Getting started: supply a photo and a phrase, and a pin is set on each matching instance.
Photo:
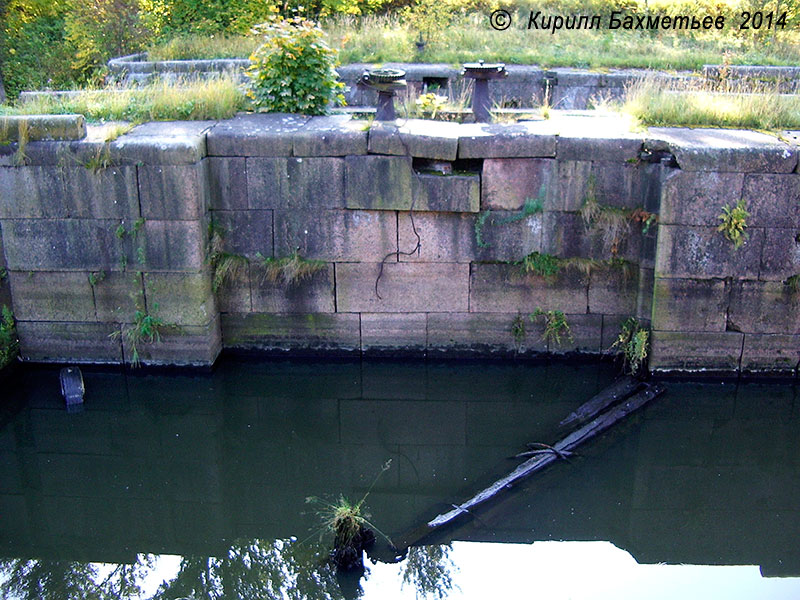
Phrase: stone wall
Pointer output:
(88, 249)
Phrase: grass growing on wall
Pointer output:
(219, 98)
(703, 104)
(9, 343)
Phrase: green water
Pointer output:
(198, 486)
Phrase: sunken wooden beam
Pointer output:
(617, 391)
(539, 462)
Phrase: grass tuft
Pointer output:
(290, 270)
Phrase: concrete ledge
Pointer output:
(520, 140)
(335, 135)
(764, 307)
(43, 127)
(764, 354)
(68, 342)
(255, 135)
(162, 143)
(414, 137)
(394, 334)
(725, 150)
(185, 345)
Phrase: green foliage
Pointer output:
(611, 223)
(793, 283)
(290, 269)
(429, 104)
(543, 265)
(555, 325)
(293, 70)
(168, 18)
(102, 29)
(518, 330)
(95, 278)
(146, 329)
(9, 343)
(429, 569)
(633, 345)
(734, 223)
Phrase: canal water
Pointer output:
(218, 485)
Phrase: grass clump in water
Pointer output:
(555, 326)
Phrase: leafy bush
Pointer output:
(175, 17)
(293, 70)
(103, 29)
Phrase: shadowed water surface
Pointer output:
(196, 486)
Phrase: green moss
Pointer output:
(9, 342)
(543, 265)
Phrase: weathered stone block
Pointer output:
(177, 192)
(690, 304)
(764, 307)
(503, 288)
(227, 181)
(174, 245)
(616, 184)
(162, 143)
(613, 290)
(394, 334)
(482, 334)
(704, 252)
(644, 301)
(317, 333)
(771, 353)
(43, 127)
(65, 244)
(378, 182)
(773, 200)
(180, 298)
(246, 232)
(31, 192)
(333, 135)
(311, 295)
(104, 194)
(695, 350)
(234, 295)
(579, 143)
(573, 184)
(403, 287)
(187, 345)
(40, 296)
(68, 342)
(117, 295)
(697, 198)
(446, 193)
(267, 182)
(508, 183)
(314, 183)
(449, 237)
(415, 137)
(780, 257)
(726, 150)
(255, 135)
(585, 335)
(335, 235)
(523, 140)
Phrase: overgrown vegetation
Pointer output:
(699, 103)
(793, 283)
(293, 70)
(734, 223)
(226, 266)
(9, 342)
(146, 329)
(349, 524)
(633, 345)
(556, 327)
(219, 98)
(290, 269)
(611, 223)
(543, 265)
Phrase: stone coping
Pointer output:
(569, 135)
(43, 127)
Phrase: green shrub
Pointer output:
(293, 70)
(9, 343)
(555, 325)
(168, 18)
(734, 223)
(633, 344)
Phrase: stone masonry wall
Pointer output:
(89, 250)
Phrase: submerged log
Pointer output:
(596, 426)
(617, 391)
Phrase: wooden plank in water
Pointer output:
(617, 391)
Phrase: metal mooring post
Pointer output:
(387, 82)
(482, 73)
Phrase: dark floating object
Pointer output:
(72, 386)
(603, 411)
(482, 73)
(386, 82)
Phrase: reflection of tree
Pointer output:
(32, 579)
(256, 569)
(429, 569)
